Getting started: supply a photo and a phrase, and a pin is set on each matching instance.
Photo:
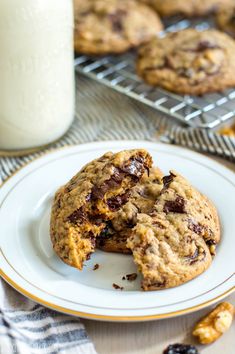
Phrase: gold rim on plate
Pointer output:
(111, 318)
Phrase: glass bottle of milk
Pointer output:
(36, 72)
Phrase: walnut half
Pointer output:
(212, 326)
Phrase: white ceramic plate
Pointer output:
(29, 264)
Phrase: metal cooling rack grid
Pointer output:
(118, 72)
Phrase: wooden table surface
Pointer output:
(153, 337)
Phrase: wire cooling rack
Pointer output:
(118, 72)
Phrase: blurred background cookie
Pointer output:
(189, 62)
(113, 26)
(187, 8)
(225, 19)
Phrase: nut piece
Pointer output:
(211, 327)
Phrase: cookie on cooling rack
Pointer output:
(113, 26)
(176, 241)
(187, 8)
(189, 62)
(91, 198)
(225, 19)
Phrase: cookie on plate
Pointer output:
(187, 8)
(82, 207)
(142, 199)
(225, 19)
(189, 62)
(177, 241)
(113, 26)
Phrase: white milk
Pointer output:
(36, 71)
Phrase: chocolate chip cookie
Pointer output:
(113, 26)
(189, 62)
(90, 199)
(177, 240)
(142, 199)
(226, 19)
(187, 8)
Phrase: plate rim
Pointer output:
(113, 318)
(109, 317)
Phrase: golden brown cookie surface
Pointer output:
(82, 207)
(176, 242)
(189, 62)
(113, 26)
(187, 8)
(226, 19)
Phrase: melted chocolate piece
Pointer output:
(201, 47)
(168, 179)
(195, 227)
(211, 243)
(100, 242)
(193, 258)
(114, 181)
(134, 167)
(130, 224)
(175, 206)
(117, 20)
(116, 202)
(77, 215)
(204, 45)
(107, 232)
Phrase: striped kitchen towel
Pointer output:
(28, 328)
(101, 114)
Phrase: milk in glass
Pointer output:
(36, 72)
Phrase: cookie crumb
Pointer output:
(117, 287)
(130, 277)
(96, 266)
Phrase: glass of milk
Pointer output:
(36, 72)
